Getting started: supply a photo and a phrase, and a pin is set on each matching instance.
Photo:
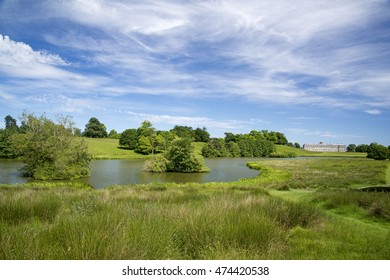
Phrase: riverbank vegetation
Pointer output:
(294, 209)
(50, 150)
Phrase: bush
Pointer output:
(50, 151)
(157, 165)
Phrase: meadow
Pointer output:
(312, 208)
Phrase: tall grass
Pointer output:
(238, 220)
(328, 173)
(374, 204)
(140, 223)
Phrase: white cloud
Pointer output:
(373, 112)
(310, 53)
(195, 121)
(20, 60)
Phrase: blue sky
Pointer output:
(314, 70)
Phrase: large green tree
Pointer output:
(95, 129)
(129, 138)
(378, 152)
(50, 150)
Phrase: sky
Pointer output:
(315, 70)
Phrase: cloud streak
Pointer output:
(316, 54)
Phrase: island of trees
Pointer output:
(57, 150)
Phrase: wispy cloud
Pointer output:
(317, 54)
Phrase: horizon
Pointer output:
(316, 72)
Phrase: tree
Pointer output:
(215, 148)
(6, 144)
(146, 129)
(351, 148)
(297, 145)
(183, 131)
(181, 157)
(144, 146)
(113, 134)
(77, 132)
(363, 148)
(233, 149)
(95, 129)
(50, 150)
(11, 128)
(10, 123)
(201, 135)
(129, 138)
(377, 152)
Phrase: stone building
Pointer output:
(323, 147)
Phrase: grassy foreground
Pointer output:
(295, 209)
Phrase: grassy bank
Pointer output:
(104, 148)
(281, 149)
(317, 213)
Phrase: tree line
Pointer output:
(55, 150)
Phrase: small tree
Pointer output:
(51, 151)
(95, 129)
(10, 123)
(181, 157)
(351, 148)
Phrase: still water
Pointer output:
(110, 172)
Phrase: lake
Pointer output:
(110, 172)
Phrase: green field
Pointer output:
(304, 153)
(104, 148)
(295, 209)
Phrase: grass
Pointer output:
(281, 149)
(328, 172)
(295, 209)
(104, 148)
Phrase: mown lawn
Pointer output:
(104, 148)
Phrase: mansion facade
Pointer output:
(323, 147)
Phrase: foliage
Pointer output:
(50, 151)
(6, 150)
(11, 128)
(378, 152)
(252, 146)
(215, 148)
(114, 134)
(246, 145)
(146, 129)
(363, 148)
(10, 123)
(351, 148)
(182, 158)
(95, 129)
(129, 138)
(182, 131)
(201, 135)
(144, 146)
(158, 164)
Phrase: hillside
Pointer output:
(303, 153)
(104, 148)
